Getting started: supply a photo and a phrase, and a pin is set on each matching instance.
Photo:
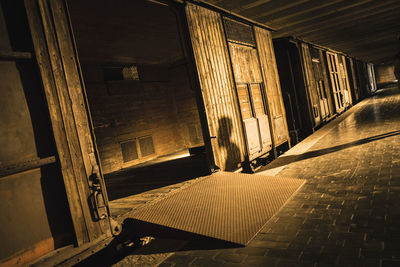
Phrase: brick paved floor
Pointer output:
(347, 214)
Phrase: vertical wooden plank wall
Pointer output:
(328, 86)
(336, 81)
(345, 80)
(310, 83)
(68, 112)
(371, 76)
(353, 69)
(217, 85)
(274, 96)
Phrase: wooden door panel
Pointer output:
(335, 80)
(253, 138)
(265, 132)
(217, 84)
(244, 100)
(258, 101)
(246, 67)
(272, 88)
(55, 53)
(280, 128)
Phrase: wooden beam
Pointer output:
(14, 55)
(56, 116)
(334, 18)
(348, 19)
(20, 166)
(324, 11)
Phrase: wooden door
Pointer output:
(250, 90)
(313, 93)
(260, 112)
(217, 85)
(345, 81)
(320, 84)
(60, 71)
(249, 121)
(270, 75)
(333, 67)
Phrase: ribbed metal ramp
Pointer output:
(227, 206)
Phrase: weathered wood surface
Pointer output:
(313, 96)
(80, 108)
(271, 78)
(21, 166)
(246, 67)
(327, 84)
(249, 83)
(8, 56)
(335, 79)
(355, 85)
(56, 59)
(60, 135)
(345, 81)
(217, 84)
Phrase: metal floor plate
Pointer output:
(227, 206)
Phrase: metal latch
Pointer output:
(97, 199)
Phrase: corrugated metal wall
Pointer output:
(271, 78)
(217, 84)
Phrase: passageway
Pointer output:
(346, 214)
(200, 133)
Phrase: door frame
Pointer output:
(62, 80)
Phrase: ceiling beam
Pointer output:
(341, 17)
(344, 32)
(352, 20)
(325, 11)
(270, 8)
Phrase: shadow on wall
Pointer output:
(224, 140)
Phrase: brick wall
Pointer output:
(161, 105)
(384, 74)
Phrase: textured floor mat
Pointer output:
(226, 206)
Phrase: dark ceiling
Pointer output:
(124, 31)
(366, 29)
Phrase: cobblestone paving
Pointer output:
(348, 212)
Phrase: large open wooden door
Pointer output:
(60, 71)
(217, 86)
(320, 83)
(269, 72)
(332, 61)
(312, 86)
